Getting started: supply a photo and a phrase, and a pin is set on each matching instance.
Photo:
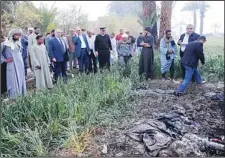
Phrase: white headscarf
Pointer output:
(10, 42)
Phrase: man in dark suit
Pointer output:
(24, 42)
(186, 38)
(192, 54)
(82, 50)
(57, 50)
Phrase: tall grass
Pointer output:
(45, 121)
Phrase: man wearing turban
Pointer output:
(12, 55)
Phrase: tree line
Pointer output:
(148, 13)
(23, 14)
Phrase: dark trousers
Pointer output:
(104, 59)
(3, 78)
(25, 64)
(92, 61)
(83, 61)
(146, 63)
(60, 68)
(171, 71)
(183, 69)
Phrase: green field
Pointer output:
(45, 121)
(215, 41)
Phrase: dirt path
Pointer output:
(156, 98)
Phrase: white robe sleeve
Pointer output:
(33, 57)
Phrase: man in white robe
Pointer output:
(31, 42)
(114, 55)
(12, 55)
(41, 62)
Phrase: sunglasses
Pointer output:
(189, 28)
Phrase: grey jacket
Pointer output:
(124, 48)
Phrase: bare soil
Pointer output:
(156, 97)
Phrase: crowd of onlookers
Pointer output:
(52, 56)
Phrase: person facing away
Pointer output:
(73, 59)
(12, 55)
(82, 50)
(168, 50)
(103, 48)
(187, 37)
(92, 55)
(192, 54)
(57, 50)
(119, 36)
(139, 40)
(113, 56)
(41, 62)
(124, 49)
(147, 55)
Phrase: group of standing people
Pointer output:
(191, 51)
(56, 54)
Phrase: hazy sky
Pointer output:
(99, 8)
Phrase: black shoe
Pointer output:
(178, 94)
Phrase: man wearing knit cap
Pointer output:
(147, 56)
(103, 48)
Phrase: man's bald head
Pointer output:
(78, 30)
(58, 33)
(72, 31)
(190, 29)
(89, 32)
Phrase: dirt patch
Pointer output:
(154, 98)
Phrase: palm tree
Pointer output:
(165, 17)
(215, 27)
(7, 14)
(203, 8)
(47, 17)
(193, 7)
(148, 17)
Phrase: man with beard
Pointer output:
(41, 62)
(103, 48)
(147, 55)
(11, 51)
(168, 50)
